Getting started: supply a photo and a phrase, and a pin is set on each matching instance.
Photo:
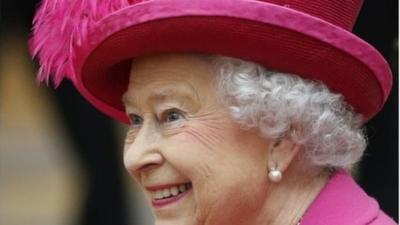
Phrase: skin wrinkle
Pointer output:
(287, 98)
(167, 74)
(207, 147)
(133, 131)
(203, 127)
(151, 135)
(203, 139)
(212, 125)
(208, 139)
(166, 94)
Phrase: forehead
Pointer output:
(170, 66)
(169, 75)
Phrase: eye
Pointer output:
(171, 115)
(136, 120)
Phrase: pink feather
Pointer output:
(59, 27)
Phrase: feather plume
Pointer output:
(60, 26)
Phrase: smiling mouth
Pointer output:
(169, 195)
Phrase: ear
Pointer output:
(281, 153)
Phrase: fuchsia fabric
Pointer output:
(343, 202)
(91, 42)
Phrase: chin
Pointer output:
(182, 220)
(181, 212)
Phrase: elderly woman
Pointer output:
(216, 134)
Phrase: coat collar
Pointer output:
(342, 202)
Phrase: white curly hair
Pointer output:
(285, 105)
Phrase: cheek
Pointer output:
(225, 166)
(208, 147)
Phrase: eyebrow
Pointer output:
(125, 98)
(164, 95)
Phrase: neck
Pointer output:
(289, 199)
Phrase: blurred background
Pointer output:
(61, 160)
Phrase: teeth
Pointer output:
(169, 192)
(182, 188)
(166, 193)
(174, 191)
(159, 195)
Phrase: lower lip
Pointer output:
(164, 202)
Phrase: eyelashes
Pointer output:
(167, 116)
(135, 120)
(168, 120)
(172, 115)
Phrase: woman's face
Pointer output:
(193, 162)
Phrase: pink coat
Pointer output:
(343, 202)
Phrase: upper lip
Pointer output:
(153, 188)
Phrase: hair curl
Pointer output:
(285, 105)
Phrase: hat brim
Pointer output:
(277, 37)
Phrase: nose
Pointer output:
(144, 152)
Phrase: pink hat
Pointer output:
(92, 42)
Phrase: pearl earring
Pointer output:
(275, 175)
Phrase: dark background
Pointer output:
(90, 130)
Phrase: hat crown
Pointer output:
(341, 13)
